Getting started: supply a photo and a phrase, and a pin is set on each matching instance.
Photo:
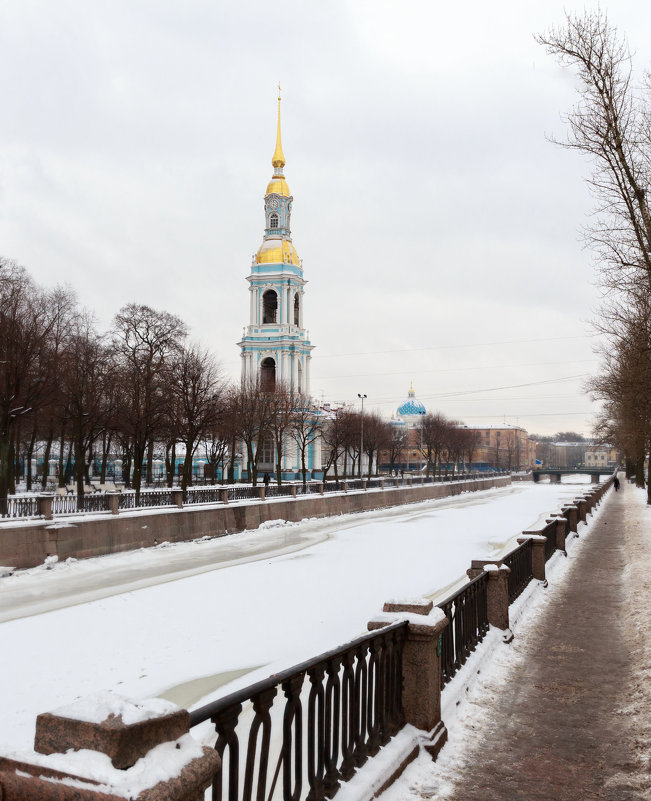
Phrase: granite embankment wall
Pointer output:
(29, 543)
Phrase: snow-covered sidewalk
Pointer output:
(565, 710)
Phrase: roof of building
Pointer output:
(411, 406)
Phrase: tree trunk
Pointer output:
(62, 445)
(80, 469)
(303, 468)
(68, 470)
(186, 479)
(279, 461)
(138, 459)
(231, 465)
(5, 465)
(639, 471)
(87, 465)
(46, 460)
(150, 461)
(126, 463)
(170, 463)
(30, 451)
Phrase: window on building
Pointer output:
(269, 307)
(268, 375)
(268, 451)
(273, 221)
(296, 309)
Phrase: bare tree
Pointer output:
(251, 406)
(434, 427)
(85, 372)
(195, 388)
(144, 340)
(283, 401)
(376, 436)
(398, 441)
(307, 423)
(612, 126)
(28, 316)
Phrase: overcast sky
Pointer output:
(439, 229)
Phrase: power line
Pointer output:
(460, 393)
(466, 368)
(452, 347)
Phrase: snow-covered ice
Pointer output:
(197, 614)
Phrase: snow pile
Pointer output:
(100, 706)
(158, 765)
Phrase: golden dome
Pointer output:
(277, 251)
(277, 186)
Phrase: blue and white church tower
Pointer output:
(275, 347)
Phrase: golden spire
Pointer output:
(278, 159)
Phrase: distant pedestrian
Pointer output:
(402, 473)
(266, 480)
(616, 483)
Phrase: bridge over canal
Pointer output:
(555, 473)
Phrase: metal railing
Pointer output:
(19, 507)
(519, 561)
(467, 611)
(275, 491)
(550, 545)
(94, 503)
(154, 498)
(64, 504)
(336, 710)
(23, 507)
(206, 495)
(242, 493)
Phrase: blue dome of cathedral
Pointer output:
(411, 406)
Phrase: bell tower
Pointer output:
(275, 347)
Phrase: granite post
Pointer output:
(44, 503)
(171, 765)
(537, 554)
(113, 502)
(571, 514)
(421, 666)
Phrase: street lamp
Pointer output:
(361, 439)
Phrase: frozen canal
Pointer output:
(182, 620)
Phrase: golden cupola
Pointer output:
(277, 247)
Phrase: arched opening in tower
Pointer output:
(268, 375)
(296, 309)
(269, 306)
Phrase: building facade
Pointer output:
(275, 348)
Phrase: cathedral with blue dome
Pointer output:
(412, 410)
(275, 348)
